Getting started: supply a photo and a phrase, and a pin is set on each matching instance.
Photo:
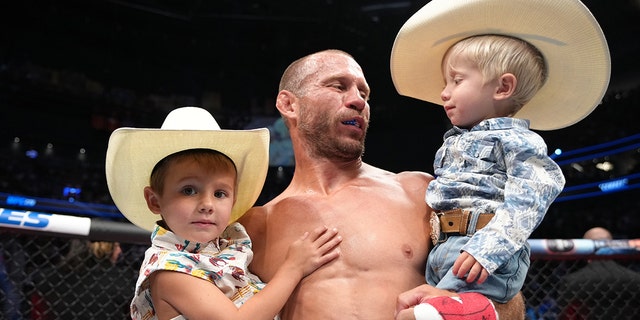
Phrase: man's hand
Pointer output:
(441, 304)
(415, 296)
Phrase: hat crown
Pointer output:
(565, 32)
(190, 118)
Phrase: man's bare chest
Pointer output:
(376, 230)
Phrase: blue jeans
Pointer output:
(500, 286)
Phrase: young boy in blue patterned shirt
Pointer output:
(494, 180)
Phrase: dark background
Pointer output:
(72, 71)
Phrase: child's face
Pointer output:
(467, 98)
(197, 200)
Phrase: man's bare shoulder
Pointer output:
(415, 175)
(405, 177)
(289, 200)
(254, 220)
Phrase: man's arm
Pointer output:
(254, 222)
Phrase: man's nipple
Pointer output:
(407, 251)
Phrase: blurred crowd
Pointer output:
(56, 123)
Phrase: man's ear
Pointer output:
(152, 200)
(506, 86)
(287, 104)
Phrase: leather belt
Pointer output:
(454, 222)
(457, 221)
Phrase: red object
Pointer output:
(469, 306)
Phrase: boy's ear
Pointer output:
(152, 200)
(506, 86)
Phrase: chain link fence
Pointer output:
(582, 289)
(53, 277)
(50, 278)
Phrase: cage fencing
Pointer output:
(54, 275)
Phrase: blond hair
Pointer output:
(495, 55)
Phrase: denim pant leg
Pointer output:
(441, 259)
(501, 286)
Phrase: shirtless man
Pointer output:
(381, 216)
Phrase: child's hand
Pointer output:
(314, 249)
(466, 265)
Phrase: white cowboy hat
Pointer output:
(133, 152)
(565, 31)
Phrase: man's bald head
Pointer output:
(295, 74)
(598, 233)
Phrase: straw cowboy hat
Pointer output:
(565, 31)
(133, 152)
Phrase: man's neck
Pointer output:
(324, 176)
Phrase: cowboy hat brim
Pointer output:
(566, 33)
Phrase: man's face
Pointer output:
(334, 111)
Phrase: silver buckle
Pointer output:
(434, 221)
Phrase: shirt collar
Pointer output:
(502, 123)
(169, 240)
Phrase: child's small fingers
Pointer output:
(328, 234)
(483, 276)
(317, 233)
(331, 243)
(474, 272)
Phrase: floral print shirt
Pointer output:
(224, 262)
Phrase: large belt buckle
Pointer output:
(434, 221)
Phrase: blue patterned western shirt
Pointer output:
(498, 166)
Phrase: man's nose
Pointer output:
(356, 100)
